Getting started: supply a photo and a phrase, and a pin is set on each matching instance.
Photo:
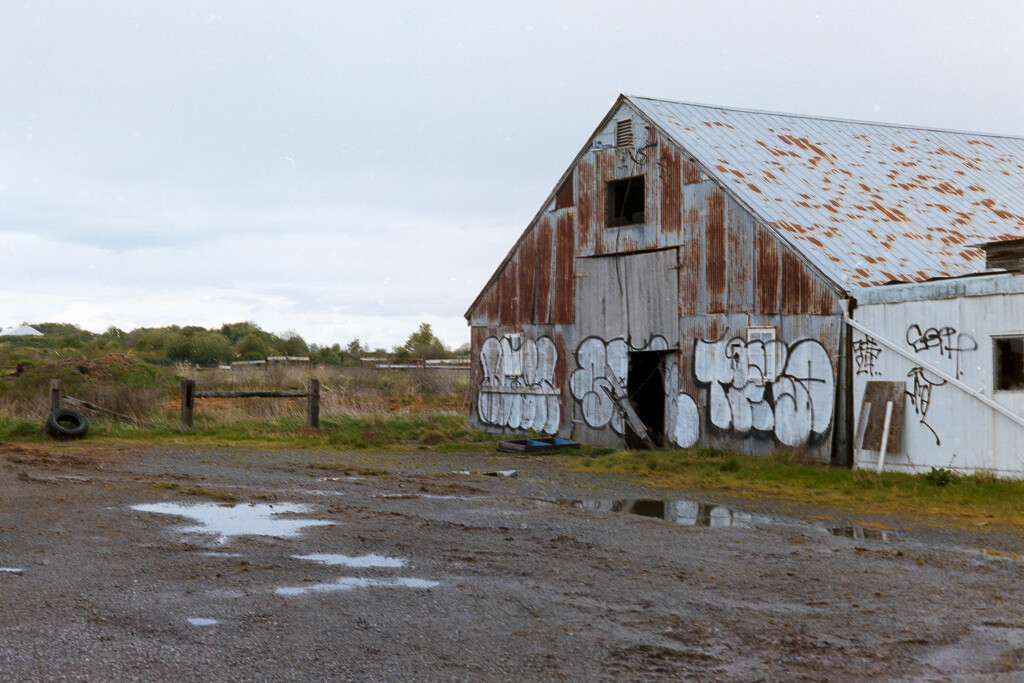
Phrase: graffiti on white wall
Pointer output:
(518, 386)
(767, 386)
(945, 341)
(921, 396)
(865, 352)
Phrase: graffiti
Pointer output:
(518, 386)
(945, 340)
(682, 418)
(921, 396)
(865, 352)
(744, 396)
(753, 386)
(593, 358)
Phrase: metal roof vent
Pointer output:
(624, 133)
(1006, 254)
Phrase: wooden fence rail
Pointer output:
(189, 396)
(57, 397)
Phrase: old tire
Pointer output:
(65, 423)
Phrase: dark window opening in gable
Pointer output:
(1008, 362)
(564, 194)
(624, 201)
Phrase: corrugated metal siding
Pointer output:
(565, 269)
(715, 245)
(867, 203)
(766, 271)
(943, 426)
(632, 296)
(671, 218)
(699, 267)
(545, 271)
(535, 285)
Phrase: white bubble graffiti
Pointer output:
(744, 393)
(518, 386)
(593, 358)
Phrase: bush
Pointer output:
(940, 476)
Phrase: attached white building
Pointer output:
(956, 349)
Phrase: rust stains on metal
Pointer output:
(586, 205)
(564, 196)
(716, 256)
(766, 262)
(544, 271)
(691, 173)
(671, 191)
(527, 297)
(564, 280)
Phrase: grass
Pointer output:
(978, 499)
(401, 431)
(361, 408)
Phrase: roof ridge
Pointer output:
(837, 119)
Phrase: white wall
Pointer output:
(953, 429)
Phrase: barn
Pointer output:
(708, 263)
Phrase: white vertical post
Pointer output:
(885, 436)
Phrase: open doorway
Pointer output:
(645, 385)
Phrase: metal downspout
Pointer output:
(999, 408)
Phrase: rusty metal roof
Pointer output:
(867, 203)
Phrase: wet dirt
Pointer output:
(408, 569)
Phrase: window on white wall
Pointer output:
(1008, 363)
(761, 356)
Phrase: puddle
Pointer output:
(11, 570)
(201, 621)
(857, 531)
(347, 583)
(371, 560)
(237, 520)
(685, 512)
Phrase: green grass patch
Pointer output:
(397, 431)
(782, 475)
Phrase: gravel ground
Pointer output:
(443, 573)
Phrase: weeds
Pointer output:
(787, 477)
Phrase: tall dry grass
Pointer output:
(345, 391)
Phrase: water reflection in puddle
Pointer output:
(347, 583)
(201, 621)
(685, 512)
(237, 520)
(857, 531)
(695, 513)
(11, 570)
(372, 560)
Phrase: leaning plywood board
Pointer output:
(872, 415)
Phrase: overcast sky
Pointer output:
(348, 169)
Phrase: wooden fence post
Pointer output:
(54, 394)
(313, 404)
(188, 402)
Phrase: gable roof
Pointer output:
(866, 203)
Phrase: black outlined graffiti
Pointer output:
(517, 389)
(593, 358)
(921, 396)
(744, 395)
(865, 352)
(945, 340)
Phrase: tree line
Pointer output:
(231, 342)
